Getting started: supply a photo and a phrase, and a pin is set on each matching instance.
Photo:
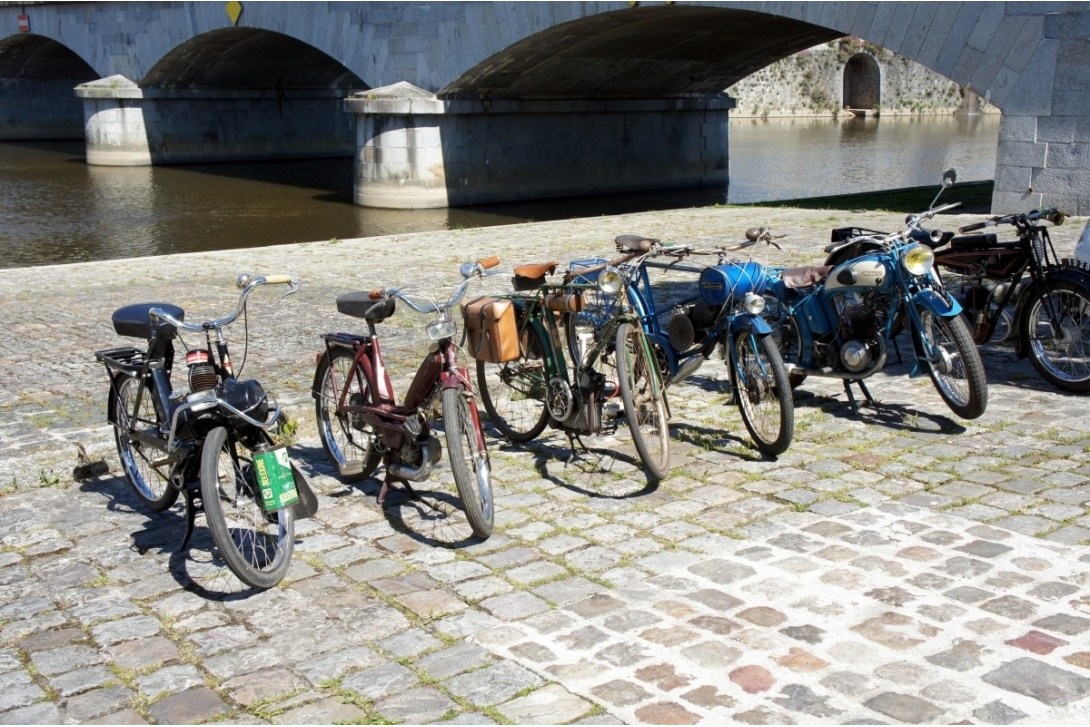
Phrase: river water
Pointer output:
(56, 209)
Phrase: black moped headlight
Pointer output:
(246, 396)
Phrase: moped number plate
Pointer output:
(1082, 265)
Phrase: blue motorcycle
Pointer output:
(840, 320)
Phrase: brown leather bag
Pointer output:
(491, 329)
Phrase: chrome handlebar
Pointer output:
(246, 282)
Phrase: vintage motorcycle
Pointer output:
(1047, 312)
(839, 320)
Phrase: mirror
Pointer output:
(949, 177)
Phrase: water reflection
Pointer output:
(57, 209)
(793, 158)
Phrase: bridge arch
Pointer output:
(37, 75)
(249, 58)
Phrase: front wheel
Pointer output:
(763, 391)
(469, 461)
(956, 368)
(149, 482)
(1056, 325)
(644, 400)
(256, 547)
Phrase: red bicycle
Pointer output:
(361, 424)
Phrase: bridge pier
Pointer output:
(415, 151)
(127, 125)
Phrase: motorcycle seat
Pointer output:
(804, 277)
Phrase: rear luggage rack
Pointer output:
(127, 360)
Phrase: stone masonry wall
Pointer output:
(811, 83)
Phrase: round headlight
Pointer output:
(918, 259)
(610, 281)
(753, 304)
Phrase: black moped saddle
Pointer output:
(135, 321)
(361, 305)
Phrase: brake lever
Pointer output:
(293, 288)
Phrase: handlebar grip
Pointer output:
(277, 279)
(973, 227)
(489, 262)
(377, 293)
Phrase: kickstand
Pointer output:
(863, 388)
(572, 439)
(193, 505)
(386, 488)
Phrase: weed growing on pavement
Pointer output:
(48, 479)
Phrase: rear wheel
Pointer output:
(644, 401)
(1057, 327)
(256, 547)
(149, 483)
(469, 461)
(763, 392)
(513, 393)
(957, 372)
(349, 443)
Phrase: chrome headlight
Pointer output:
(918, 259)
(610, 281)
(753, 304)
(440, 329)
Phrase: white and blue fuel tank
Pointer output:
(862, 274)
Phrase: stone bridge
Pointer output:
(447, 104)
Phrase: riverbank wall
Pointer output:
(849, 73)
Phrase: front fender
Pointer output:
(750, 324)
(937, 304)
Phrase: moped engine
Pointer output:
(690, 324)
(202, 374)
(587, 398)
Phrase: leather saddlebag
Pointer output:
(491, 330)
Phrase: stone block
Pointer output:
(1020, 154)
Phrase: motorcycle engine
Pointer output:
(689, 324)
(860, 327)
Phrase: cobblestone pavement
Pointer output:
(894, 565)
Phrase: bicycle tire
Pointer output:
(468, 461)
(959, 377)
(1063, 361)
(644, 400)
(513, 392)
(255, 546)
(763, 392)
(151, 486)
(339, 432)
